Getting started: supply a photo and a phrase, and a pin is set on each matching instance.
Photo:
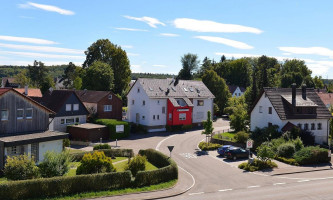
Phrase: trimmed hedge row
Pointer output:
(107, 152)
(167, 171)
(58, 186)
(312, 155)
(111, 124)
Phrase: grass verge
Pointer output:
(225, 136)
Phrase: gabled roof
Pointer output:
(288, 127)
(55, 100)
(5, 90)
(282, 107)
(175, 102)
(327, 98)
(166, 88)
(232, 88)
(32, 92)
(92, 96)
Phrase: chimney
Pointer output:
(304, 91)
(26, 90)
(293, 94)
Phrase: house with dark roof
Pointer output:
(155, 103)
(289, 107)
(67, 107)
(105, 104)
(24, 127)
(9, 82)
(236, 91)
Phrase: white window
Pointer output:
(14, 150)
(110, 96)
(319, 126)
(19, 113)
(68, 107)
(170, 116)
(107, 108)
(70, 121)
(28, 113)
(132, 102)
(75, 106)
(153, 117)
(200, 102)
(62, 121)
(182, 116)
(260, 109)
(163, 110)
(4, 115)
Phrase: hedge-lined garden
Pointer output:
(62, 185)
(111, 124)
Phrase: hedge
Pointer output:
(111, 124)
(58, 186)
(312, 155)
(107, 152)
(167, 171)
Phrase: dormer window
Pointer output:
(68, 107)
(75, 106)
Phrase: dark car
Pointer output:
(237, 152)
(222, 149)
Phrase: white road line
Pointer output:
(253, 186)
(279, 183)
(301, 181)
(159, 144)
(196, 193)
(225, 190)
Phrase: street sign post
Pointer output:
(249, 145)
(170, 149)
(329, 153)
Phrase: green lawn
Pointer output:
(119, 159)
(3, 179)
(74, 150)
(121, 166)
(225, 136)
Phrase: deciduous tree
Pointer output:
(190, 64)
(99, 76)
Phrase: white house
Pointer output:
(289, 107)
(155, 103)
(236, 91)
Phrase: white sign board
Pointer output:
(249, 144)
(119, 128)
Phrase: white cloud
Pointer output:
(42, 48)
(45, 7)
(136, 68)
(130, 29)
(41, 55)
(127, 46)
(232, 43)
(26, 40)
(169, 34)
(321, 51)
(162, 66)
(30, 62)
(152, 22)
(211, 26)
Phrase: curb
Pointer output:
(298, 172)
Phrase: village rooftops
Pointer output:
(166, 88)
(33, 138)
(300, 102)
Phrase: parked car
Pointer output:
(236, 152)
(222, 149)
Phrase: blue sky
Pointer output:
(155, 34)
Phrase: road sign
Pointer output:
(170, 149)
(249, 144)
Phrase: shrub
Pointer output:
(275, 143)
(96, 162)
(55, 164)
(60, 186)
(298, 144)
(138, 128)
(257, 165)
(138, 163)
(187, 127)
(204, 146)
(312, 155)
(290, 161)
(66, 142)
(20, 168)
(111, 124)
(107, 152)
(265, 153)
(286, 150)
(260, 136)
(241, 137)
(174, 128)
(102, 146)
(308, 138)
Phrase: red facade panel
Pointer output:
(179, 115)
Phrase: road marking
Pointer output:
(196, 193)
(188, 155)
(225, 190)
(253, 186)
(193, 179)
(159, 144)
(301, 181)
(279, 183)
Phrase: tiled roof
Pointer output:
(175, 103)
(33, 136)
(166, 88)
(91, 96)
(282, 107)
(55, 100)
(4, 90)
(232, 88)
(327, 98)
(288, 127)
(32, 92)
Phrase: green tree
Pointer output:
(46, 84)
(103, 50)
(99, 76)
(55, 164)
(318, 81)
(294, 71)
(208, 126)
(190, 64)
(206, 65)
(239, 118)
(77, 83)
(69, 75)
(218, 87)
(239, 72)
(265, 153)
(38, 74)
(22, 78)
